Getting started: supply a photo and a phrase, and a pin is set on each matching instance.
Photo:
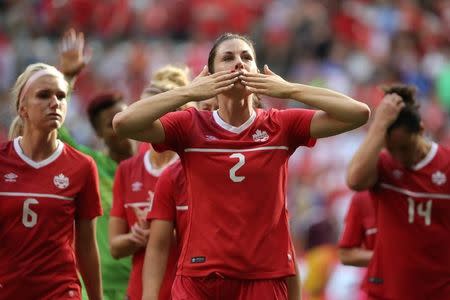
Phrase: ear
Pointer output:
(23, 113)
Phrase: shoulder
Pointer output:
(77, 156)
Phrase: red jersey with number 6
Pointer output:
(412, 253)
(236, 179)
(39, 202)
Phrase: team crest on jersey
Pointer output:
(438, 178)
(136, 186)
(10, 177)
(61, 181)
(260, 136)
(397, 174)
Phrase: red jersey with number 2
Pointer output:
(412, 253)
(236, 178)
(39, 202)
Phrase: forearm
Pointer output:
(154, 270)
(336, 105)
(362, 171)
(294, 285)
(140, 115)
(89, 268)
(122, 246)
(355, 256)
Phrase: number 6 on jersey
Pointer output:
(29, 217)
(236, 167)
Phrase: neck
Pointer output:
(235, 110)
(423, 147)
(37, 145)
(159, 160)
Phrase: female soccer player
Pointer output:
(49, 199)
(134, 188)
(237, 243)
(409, 183)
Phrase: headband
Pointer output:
(33, 78)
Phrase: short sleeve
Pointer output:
(297, 123)
(88, 203)
(118, 208)
(353, 233)
(176, 126)
(164, 199)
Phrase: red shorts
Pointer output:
(218, 288)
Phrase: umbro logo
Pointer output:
(260, 136)
(136, 186)
(438, 178)
(10, 177)
(210, 138)
(61, 181)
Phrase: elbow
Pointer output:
(362, 114)
(118, 124)
(345, 257)
(115, 253)
(355, 184)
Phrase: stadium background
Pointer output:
(351, 46)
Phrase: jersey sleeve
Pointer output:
(118, 208)
(164, 199)
(297, 123)
(176, 126)
(353, 233)
(88, 203)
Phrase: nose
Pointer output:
(239, 65)
(54, 102)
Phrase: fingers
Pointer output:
(204, 72)
(267, 71)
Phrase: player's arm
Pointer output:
(124, 242)
(294, 285)
(357, 257)
(140, 121)
(337, 112)
(156, 255)
(88, 259)
(362, 171)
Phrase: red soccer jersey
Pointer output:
(412, 253)
(171, 204)
(360, 226)
(134, 187)
(236, 178)
(39, 202)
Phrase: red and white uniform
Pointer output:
(134, 187)
(39, 202)
(360, 224)
(171, 204)
(412, 253)
(236, 178)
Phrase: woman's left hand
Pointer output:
(267, 83)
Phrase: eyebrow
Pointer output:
(231, 52)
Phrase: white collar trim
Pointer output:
(42, 163)
(232, 128)
(428, 158)
(152, 170)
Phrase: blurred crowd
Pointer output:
(352, 46)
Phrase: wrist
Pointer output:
(295, 91)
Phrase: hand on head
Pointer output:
(389, 109)
(73, 56)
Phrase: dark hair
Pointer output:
(101, 102)
(409, 116)
(225, 37)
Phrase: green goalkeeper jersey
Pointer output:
(115, 273)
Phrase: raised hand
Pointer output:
(388, 109)
(267, 83)
(139, 235)
(73, 56)
(206, 85)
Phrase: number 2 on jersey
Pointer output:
(29, 217)
(236, 167)
(423, 210)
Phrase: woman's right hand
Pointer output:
(388, 110)
(206, 85)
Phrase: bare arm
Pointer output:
(156, 254)
(357, 257)
(123, 242)
(294, 285)
(338, 113)
(86, 251)
(362, 171)
(140, 120)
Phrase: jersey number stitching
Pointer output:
(29, 217)
(236, 167)
(423, 210)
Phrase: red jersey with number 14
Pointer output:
(236, 178)
(412, 253)
(39, 202)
